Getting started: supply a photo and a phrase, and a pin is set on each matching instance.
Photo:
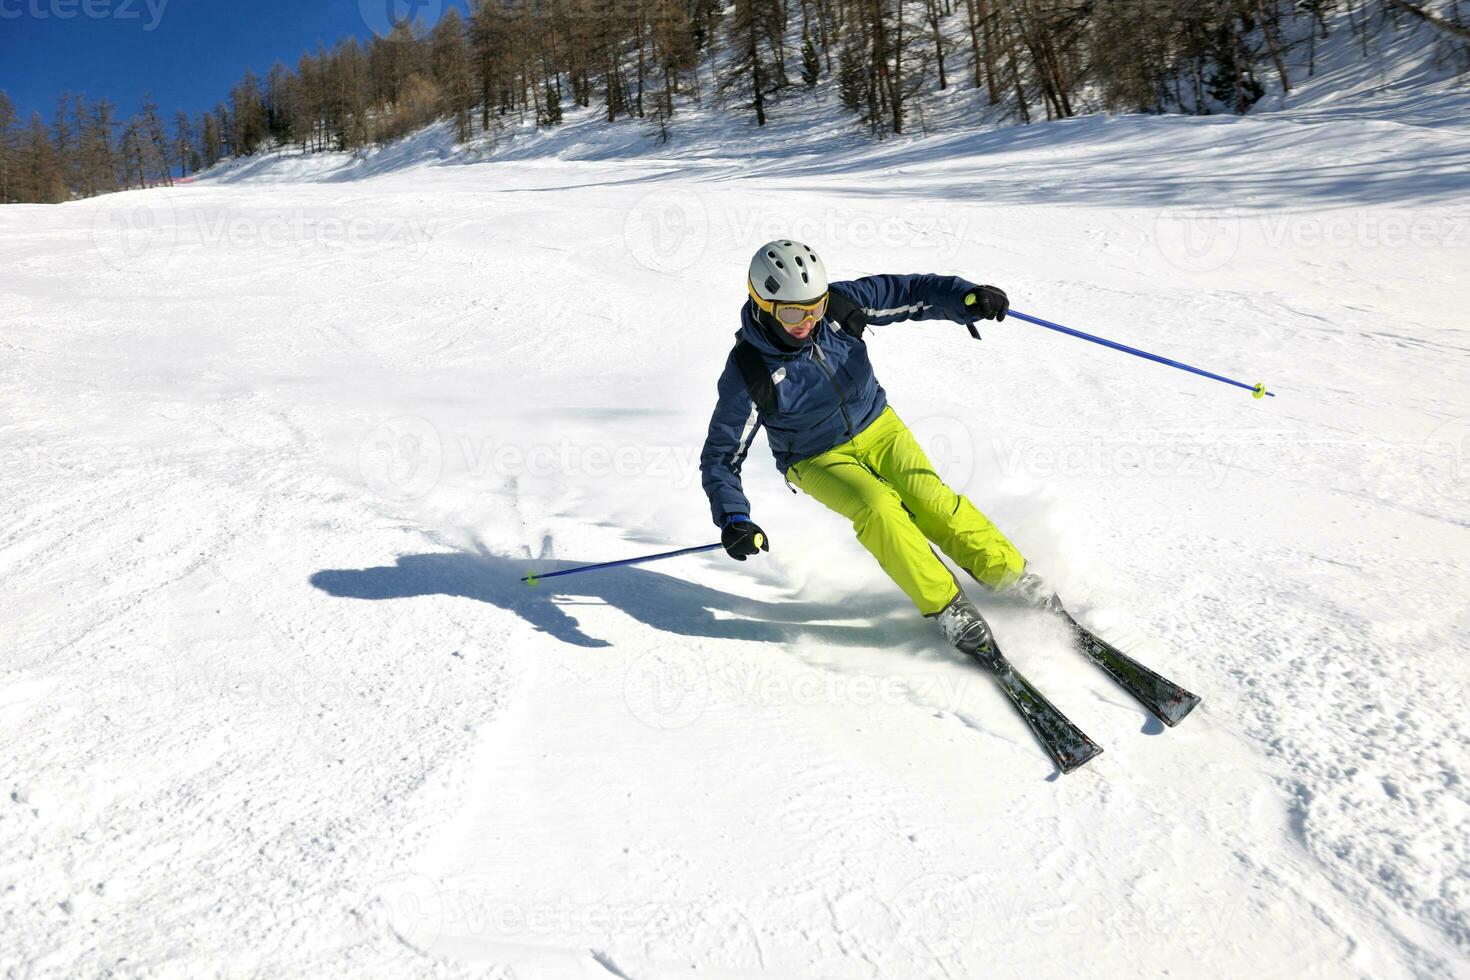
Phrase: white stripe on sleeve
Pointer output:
(745, 437)
(899, 310)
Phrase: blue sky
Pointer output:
(188, 52)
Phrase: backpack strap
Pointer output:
(849, 316)
(757, 376)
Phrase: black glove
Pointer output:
(986, 303)
(742, 539)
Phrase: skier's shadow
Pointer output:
(664, 602)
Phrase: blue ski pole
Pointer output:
(1257, 390)
(533, 579)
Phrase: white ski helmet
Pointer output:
(786, 271)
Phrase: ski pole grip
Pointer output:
(970, 300)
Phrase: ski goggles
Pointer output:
(792, 314)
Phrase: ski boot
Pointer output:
(1035, 592)
(968, 632)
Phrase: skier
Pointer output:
(800, 368)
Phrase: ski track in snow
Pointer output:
(278, 451)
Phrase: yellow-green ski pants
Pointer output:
(882, 482)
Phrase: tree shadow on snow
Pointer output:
(660, 601)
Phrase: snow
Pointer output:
(279, 445)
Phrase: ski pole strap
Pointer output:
(1257, 390)
(533, 578)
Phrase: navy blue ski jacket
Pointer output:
(826, 391)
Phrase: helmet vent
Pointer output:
(804, 277)
(770, 255)
(799, 263)
(772, 286)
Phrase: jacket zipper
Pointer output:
(841, 395)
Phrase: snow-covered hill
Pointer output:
(1403, 72)
(279, 445)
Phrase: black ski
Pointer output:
(1168, 701)
(1068, 746)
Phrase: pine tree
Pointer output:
(99, 161)
(43, 183)
(450, 62)
(8, 191)
(185, 155)
(278, 101)
(156, 148)
(212, 147)
(65, 141)
(754, 67)
(851, 79)
(247, 116)
(551, 115)
(811, 62)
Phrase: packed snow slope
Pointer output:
(278, 450)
